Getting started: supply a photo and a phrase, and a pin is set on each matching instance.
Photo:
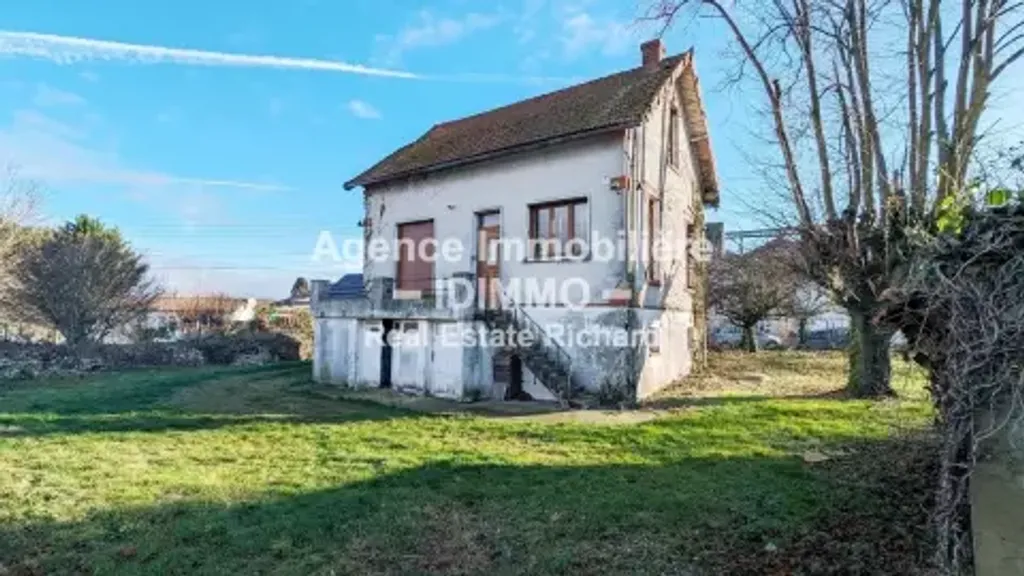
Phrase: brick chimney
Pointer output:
(652, 51)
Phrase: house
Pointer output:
(544, 249)
(176, 317)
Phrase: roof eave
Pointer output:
(700, 135)
(494, 154)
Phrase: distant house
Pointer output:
(177, 317)
(523, 195)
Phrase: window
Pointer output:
(559, 229)
(416, 246)
(673, 137)
(654, 252)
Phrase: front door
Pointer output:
(488, 261)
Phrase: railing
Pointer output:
(521, 318)
(442, 291)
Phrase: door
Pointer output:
(386, 353)
(369, 356)
(416, 256)
(488, 261)
(409, 368)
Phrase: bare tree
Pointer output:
(875, 109)
(83, 279)
(806, 302)
(750, 287)
(19, 200)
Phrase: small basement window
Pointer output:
(559, 229)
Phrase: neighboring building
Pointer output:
(173, 318)
(626, 157)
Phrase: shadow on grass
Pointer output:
(179, 399)
(716, 514)
(668, 403)
(14, 426)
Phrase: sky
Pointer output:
(217, 135)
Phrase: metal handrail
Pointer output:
(518, 312)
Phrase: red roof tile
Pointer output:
(613, 102)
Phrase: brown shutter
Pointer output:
(415, 264)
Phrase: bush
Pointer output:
(226, 350)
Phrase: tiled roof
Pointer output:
(613, 102)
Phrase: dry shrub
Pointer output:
(962, 311)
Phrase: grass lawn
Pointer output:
(756, 468)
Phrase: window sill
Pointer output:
(558, 259)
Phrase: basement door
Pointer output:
(409, 371)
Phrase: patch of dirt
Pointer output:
(547, 412)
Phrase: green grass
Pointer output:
(213, 471)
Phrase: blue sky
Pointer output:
(223, 167)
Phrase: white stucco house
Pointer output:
(487, 270)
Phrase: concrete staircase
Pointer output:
(540, 353)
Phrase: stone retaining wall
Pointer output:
(30, 361)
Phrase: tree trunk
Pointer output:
(802, 333)
(748, 342)
(870, 368)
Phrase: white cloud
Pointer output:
(526, 27)
(48, 97)
(57, 153)
(361, 109)
(70, 49)
(582, 33)
(89, 76)
(429, 31)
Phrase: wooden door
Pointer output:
(488, 261)
(415, 257)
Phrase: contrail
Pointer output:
(70, 49)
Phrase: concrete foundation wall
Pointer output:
(672, 359)
(452, 359)
(424, 360)
(997, 502)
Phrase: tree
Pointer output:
(300, 289)
(874, 108)
(83, 279)
(19, 200)
(751, 287)
(960, 309)
(806, 302)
